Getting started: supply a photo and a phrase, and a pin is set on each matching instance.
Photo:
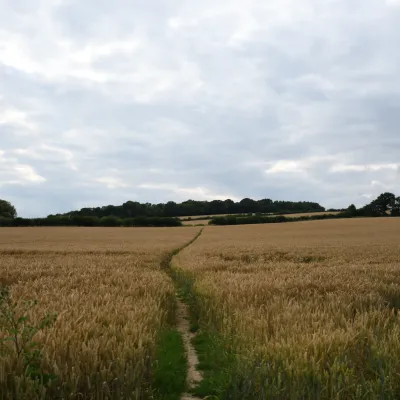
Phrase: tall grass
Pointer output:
(311, 309)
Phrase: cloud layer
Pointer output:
(103, 102)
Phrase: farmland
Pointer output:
(112, 301)
(310, 310)
(204, 221)
(304, 310)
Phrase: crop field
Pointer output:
(196, 222)
(111, 298)
(309, 310)
(206, 220)
(201, 217)
(310, 214)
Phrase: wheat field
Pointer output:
(205, 221)
(112, 301)
(311, 308)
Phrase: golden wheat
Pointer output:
(111, 297)
(314, 305)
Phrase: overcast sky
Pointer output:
(107, 101)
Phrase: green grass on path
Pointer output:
(169, 377)
(216, 361)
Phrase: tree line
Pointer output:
(195, 208)
(247, 211)
(133, 213)
(273, 219)
(91, 221)
(8, 218)
(385, 205)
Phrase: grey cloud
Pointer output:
(170, 100)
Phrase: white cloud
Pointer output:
(112, 182)
(285, 166)
(48, 153)
(12, 172)
(201, 193)
(185, 193)
(27, 173)
(157, 186)
(363, 168)
(301, 165)
(18, 119)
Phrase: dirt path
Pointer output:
(194, 377)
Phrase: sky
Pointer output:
(103, 101)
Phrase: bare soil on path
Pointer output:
(194, 377)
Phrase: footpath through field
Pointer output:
(194, 376)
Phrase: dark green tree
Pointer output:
(380, 207)
(248, 206)
(171, 209)
(396, 207)
(266, 206)
(383, 204)
(352, 210)
(7, 210)
(229, 206)
(216, 207)
(133, 209)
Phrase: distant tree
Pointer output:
(385, 202)
(229, 206)
(110, 221)
(7, 210)
(216, 207)
(396, 207)
(134, 209)
(266, 206)
(352, 210)
(380, 207)
(171, 209)
(248, 206)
